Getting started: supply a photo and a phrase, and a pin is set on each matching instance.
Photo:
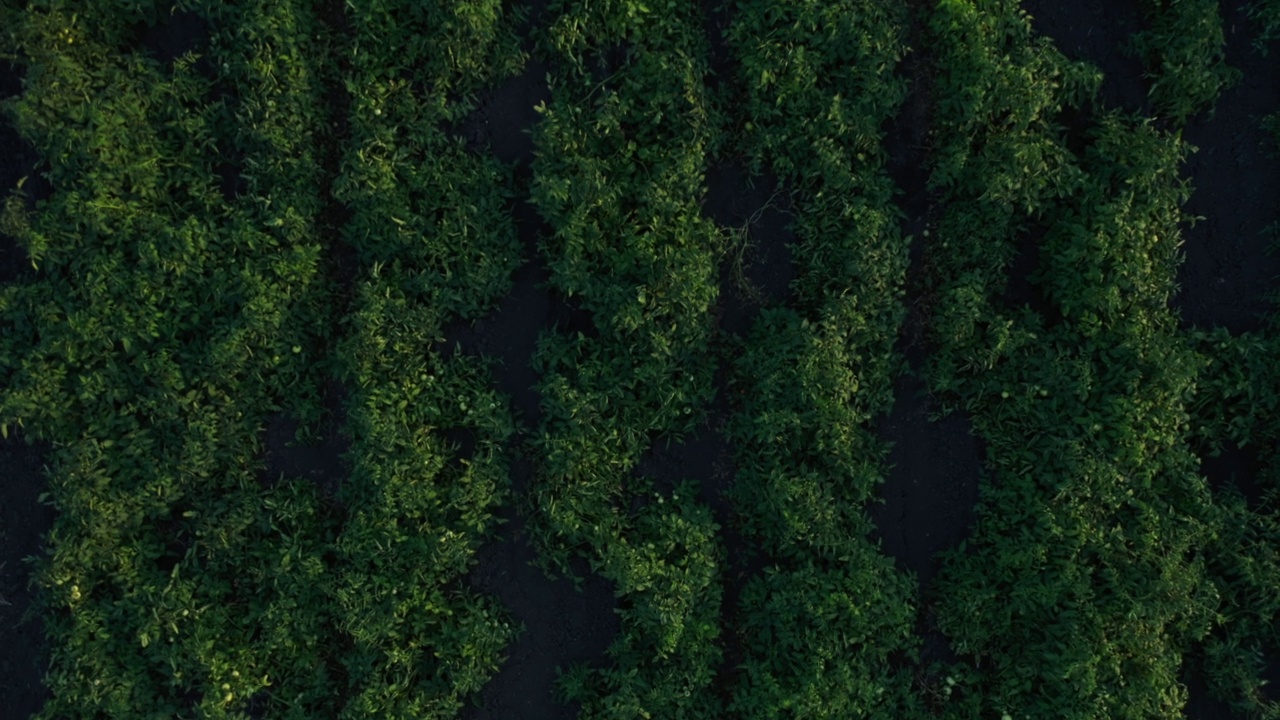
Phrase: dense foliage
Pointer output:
(174, 307)
(1085, 580)
(280, 212)
(1185, 53)
(1091, 400)
(1236, 409)
(164, 322)
(430, 228)
(621, 150)
(822, 625)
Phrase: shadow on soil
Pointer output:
(319, 456)
(1098, 31)
(18, 160)
(931, 492)
(928, 500)
(1201, 705)
(1235, 467)
(1229, 268)
(757, 270)
(562, 625)
(24, 521)
(180, 32)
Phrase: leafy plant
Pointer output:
(1266, 13)
(1185, 53)
(1084, 582)
(621, 149)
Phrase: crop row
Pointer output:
(185, 287)
(1088, 578)
(1235, 409)
(828, 628)
(165, 321)
(1236, 406)
(620, 154)
(182, 295)
(434, 241)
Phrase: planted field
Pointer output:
(621, 360)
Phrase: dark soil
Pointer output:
(1021, 293)
(1200, 704)
(317, 454)
(706, 458)
(1230, 268)
(1235, 467)
(1098, 32)
(24, 521)
(176, 35)
(928, 500)
(503, 119)
(931, 492)
(562, 625)
(756, 272)
(18, 160)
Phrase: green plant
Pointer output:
(827, 629)
(1185, 53)
(621, 148)
(1084, 582)
(1267, 14)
